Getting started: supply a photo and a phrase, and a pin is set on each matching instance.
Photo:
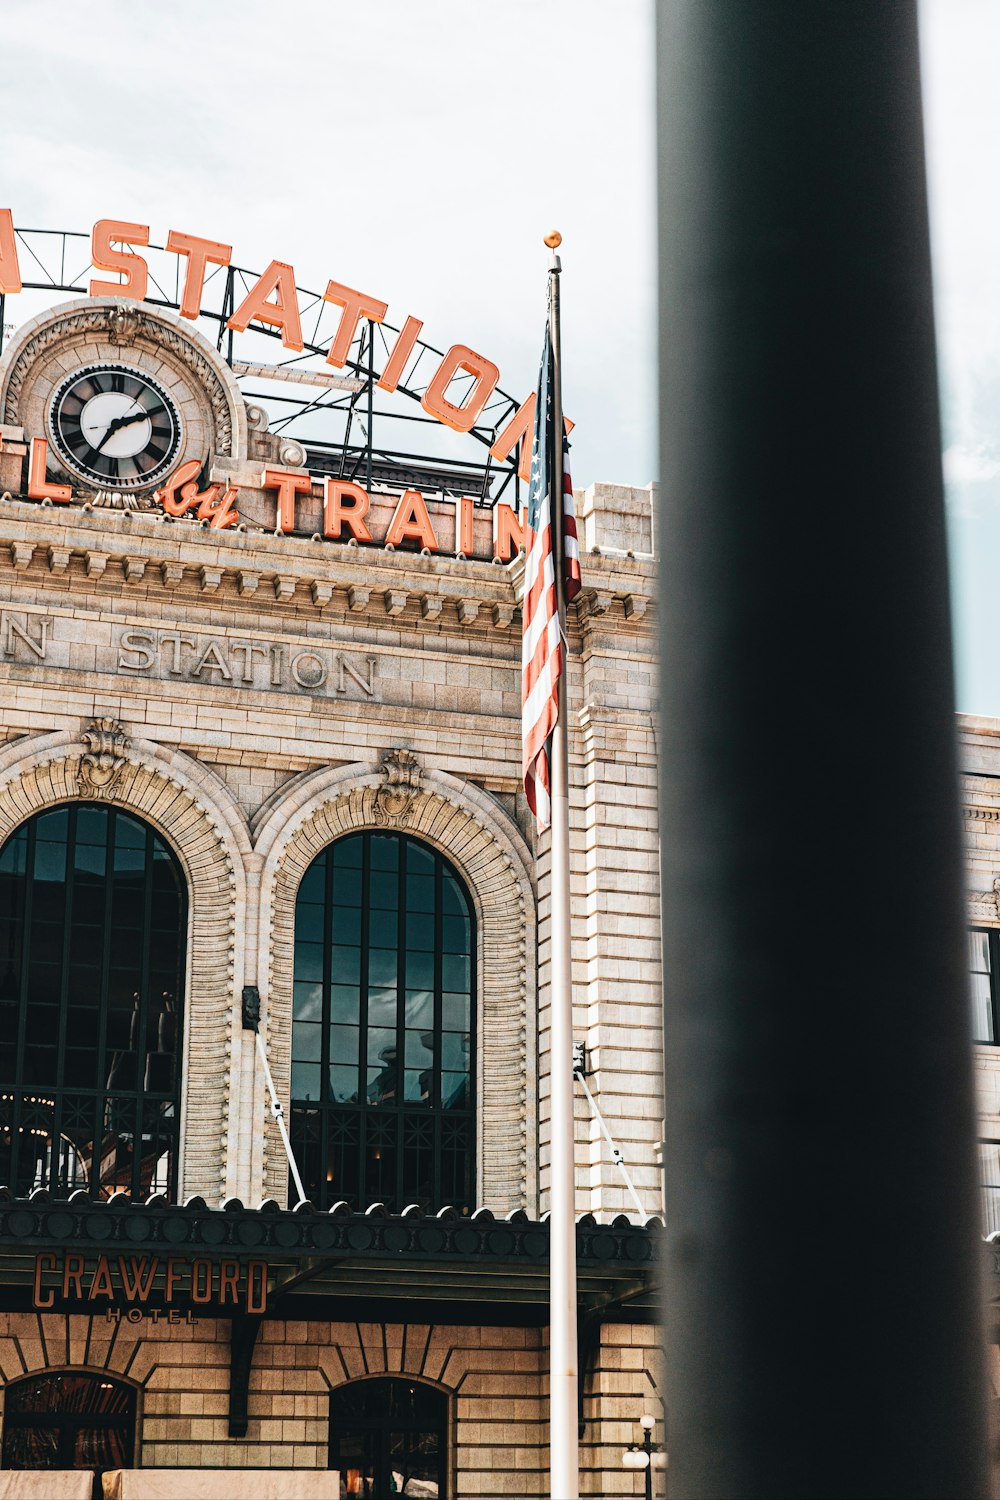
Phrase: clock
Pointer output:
(115, 427)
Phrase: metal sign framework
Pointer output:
(333, 416)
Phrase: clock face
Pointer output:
(115, 427)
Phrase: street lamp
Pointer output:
(649, 1457)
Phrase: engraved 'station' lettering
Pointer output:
(246, 663)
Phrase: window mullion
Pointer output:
(17, 1081)
(145, 1007)
(325, 1101)
(104, 1007)
(62, 1020)
(402, 944)
(103, 1010)
(363, 1111)
(472, 1087)
(437, 1101)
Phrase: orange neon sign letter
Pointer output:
(485, 374)
(356, 305)
(39, 487)
(508, 532)
(218, 509)
(200, 253)
(401, 350)
(288, 483)
(282, 313)
(464, 514)
(104, 258)
(410, 522)
(10, 274)
(345, 504)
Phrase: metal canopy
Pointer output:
(326, 1265)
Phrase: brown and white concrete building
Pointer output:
(260, 795)
(261, 808)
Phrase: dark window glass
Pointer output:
(989, 1177)
(383, 1036)
(389, 1437)
(983, 973)
(68, 1421)
(93, 915)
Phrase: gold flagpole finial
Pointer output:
(553, 239)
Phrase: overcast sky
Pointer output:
(415, 149)
(419, 149)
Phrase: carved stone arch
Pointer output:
(197, 815)
(125, 330)
(487, 850)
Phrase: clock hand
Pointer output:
(119, 423)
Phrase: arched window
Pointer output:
(71, 1420)
(388, 1437)
(93, 918)
(383, 1037)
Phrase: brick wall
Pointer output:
(495, 1380)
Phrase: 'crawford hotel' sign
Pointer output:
(260, 799)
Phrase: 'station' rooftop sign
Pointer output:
(272, 302)
(318, 490)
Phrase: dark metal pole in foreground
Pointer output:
(822, 1319)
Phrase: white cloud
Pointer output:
(419, 151)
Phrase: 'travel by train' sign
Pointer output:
(345, 508)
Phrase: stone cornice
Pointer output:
(135, 547)
(261, 568)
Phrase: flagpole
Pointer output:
(564, 1457)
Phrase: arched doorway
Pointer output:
(389, 1437)
(68, 1420)
(93, 929)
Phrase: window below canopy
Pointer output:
(388, 1437)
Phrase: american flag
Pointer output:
(542, 650)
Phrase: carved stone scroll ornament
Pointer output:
(393, 800)
(123, 325)
(102, 762)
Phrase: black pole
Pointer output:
(822, 1318)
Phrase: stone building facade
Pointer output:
(256, 695)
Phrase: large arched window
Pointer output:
(71, 1420)
(388, 1437)
(93, 917)
(383, 1038)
